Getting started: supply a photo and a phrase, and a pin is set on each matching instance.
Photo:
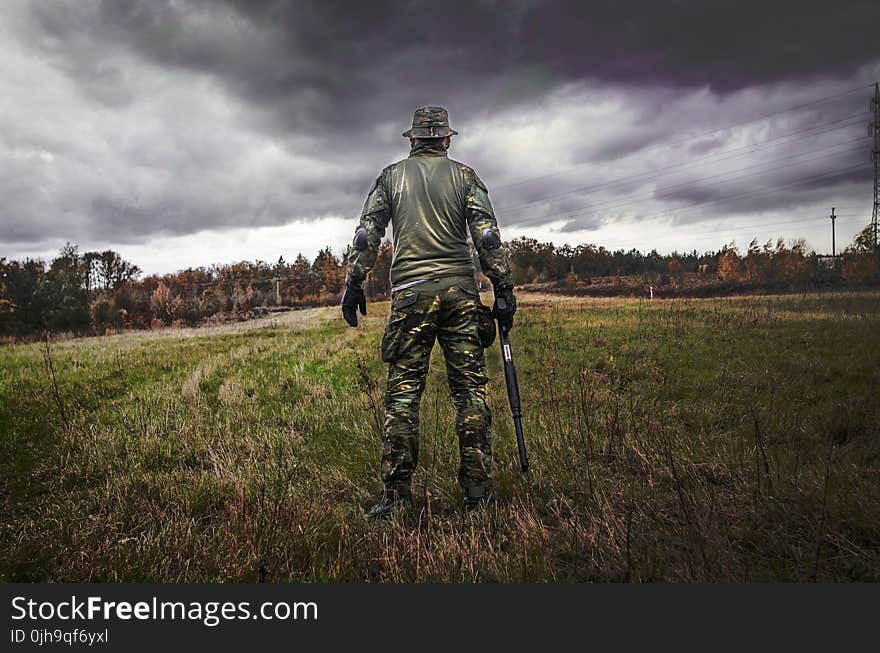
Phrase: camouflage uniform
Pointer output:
(433, 204)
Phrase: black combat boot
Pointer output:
(478, 495)
(391, 500)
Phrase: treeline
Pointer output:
(95, 292)
(99, 291)
(534, 262)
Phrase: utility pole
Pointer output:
(833, 246)
(277, 281)
(874, 130)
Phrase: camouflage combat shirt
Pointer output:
(432, 203)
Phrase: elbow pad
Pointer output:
(490, 240)
(361, 239)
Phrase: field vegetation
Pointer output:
(724, 439)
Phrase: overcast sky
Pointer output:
(191, 132)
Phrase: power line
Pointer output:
(658, 193)
(719, 156)
(759, 226)
(698, 136)
(694, 185)
(733, 197)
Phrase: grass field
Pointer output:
(690, 440)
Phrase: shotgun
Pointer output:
(513, 391)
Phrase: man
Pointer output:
(432, 203)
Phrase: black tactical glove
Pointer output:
(353, 299)
(505, 307)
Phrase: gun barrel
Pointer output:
(513, 396)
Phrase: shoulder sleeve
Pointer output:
(478, 196)
(377, 198)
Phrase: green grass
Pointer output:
(675, 440)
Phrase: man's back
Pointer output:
(427, 197)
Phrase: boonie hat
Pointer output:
(430, 122)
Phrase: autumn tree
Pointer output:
(791, 263)
(730, 268)
(300, 280)
(164, 303)
(860, 260)
(328, 268)
(863, 242)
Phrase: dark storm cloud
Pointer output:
(333, 66)
(722, 44)
(210, 115)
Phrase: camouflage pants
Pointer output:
(445, 309)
